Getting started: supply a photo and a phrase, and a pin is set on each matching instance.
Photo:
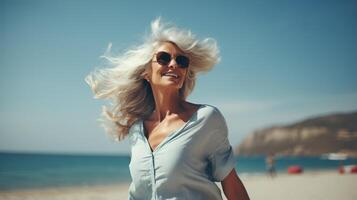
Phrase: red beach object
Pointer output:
(295, 169)
(353, 169)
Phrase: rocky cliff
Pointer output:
(310, 137)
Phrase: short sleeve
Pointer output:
(221, 158)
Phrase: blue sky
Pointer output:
(282, 61)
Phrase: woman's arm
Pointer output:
(233, 187)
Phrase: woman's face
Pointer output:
(167, 75)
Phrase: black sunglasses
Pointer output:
(164, 58)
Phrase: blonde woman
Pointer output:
(178, 149)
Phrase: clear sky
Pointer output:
(282, 61)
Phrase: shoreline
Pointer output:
(65, 187)
(106, 191)
(310, 185)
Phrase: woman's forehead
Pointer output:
(170, 47)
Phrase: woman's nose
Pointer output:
(172, 64)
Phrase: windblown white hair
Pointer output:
(123, 81)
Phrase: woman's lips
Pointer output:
(170, 74)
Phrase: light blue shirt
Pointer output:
(186, 164)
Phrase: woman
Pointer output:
(178, 149)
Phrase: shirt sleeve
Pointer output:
(221, 158)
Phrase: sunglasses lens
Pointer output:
(163, 58)
(182, 61)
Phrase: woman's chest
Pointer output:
(184, 151)
(156, 133)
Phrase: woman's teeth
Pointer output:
(171, 75)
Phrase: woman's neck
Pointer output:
(166, 103)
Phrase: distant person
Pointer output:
(178, 149)
(270, 165)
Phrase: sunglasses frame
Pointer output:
(157, 56)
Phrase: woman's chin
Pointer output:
(170, 84)
(170, 81)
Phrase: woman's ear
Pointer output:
(146, 76)
(146, 73)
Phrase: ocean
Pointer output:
(26, 171)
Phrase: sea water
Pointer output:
(49, 170)
(26, 171)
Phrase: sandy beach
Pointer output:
(324, 185)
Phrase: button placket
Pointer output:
(152, 166)
(153, 176)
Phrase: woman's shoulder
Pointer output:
(135, 127)
(211, 114)
(211, 110)
(134, 132)
(213, 120)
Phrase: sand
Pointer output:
(307, 186)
